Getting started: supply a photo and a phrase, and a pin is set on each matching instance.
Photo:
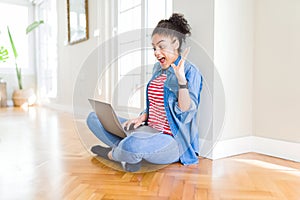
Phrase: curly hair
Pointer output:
(176, 26)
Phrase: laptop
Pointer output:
(110, 122)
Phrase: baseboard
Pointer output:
(226, 148)
(277, 148)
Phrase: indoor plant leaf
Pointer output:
(33, 25)
(18, 70)
(12, 44)
(3, 54)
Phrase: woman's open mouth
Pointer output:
(162, 60)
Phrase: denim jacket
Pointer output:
(183, 124)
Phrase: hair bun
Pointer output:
(181, 23)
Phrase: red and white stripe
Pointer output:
(157, 114)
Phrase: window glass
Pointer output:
(16, 18)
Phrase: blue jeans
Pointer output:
(155, 148)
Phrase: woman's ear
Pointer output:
(176, 44)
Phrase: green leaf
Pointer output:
(19, 77)
(12, 44)
(3, 54)
(33, 26)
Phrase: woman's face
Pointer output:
(165, 49)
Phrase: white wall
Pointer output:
(225, 30)
(233, 50)
(257, 49)
(200, 15)
(277, 69)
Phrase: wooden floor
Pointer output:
(44, 157)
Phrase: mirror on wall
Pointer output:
(77, 11)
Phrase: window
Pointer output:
(135, 64)
(17, 24)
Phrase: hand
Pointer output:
(136, 122)
(179, 69)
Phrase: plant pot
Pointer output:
(3, 95)
(24, 97)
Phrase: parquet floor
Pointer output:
(42, 157)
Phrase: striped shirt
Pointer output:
(157, 114)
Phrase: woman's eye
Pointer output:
(154, 49)
(162, 47)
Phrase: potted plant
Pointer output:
(22, 96)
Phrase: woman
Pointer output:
(173, 96)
